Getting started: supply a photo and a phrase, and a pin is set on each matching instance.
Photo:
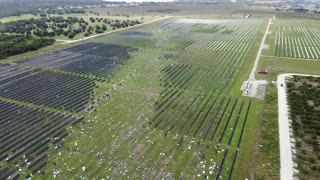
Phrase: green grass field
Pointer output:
(16, 18)
(119, 140)
(175, 108)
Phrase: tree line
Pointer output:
(16, 44)
(20, 7)
(56, 25)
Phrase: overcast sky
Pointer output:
(142, 0)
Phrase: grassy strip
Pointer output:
(268, 156)
(281, 65)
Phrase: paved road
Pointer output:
(286, 162)
(255, 65)
(73, 41)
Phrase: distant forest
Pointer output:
(16, 44)
(19, 7)
(10, 3)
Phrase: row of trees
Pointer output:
(16, 44)
(304, 103)
(56, 26)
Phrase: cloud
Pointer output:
(142, 0)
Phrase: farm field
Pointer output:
(160, 101)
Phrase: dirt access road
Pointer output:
(86, 38)
(252, 76)
(252, 87)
